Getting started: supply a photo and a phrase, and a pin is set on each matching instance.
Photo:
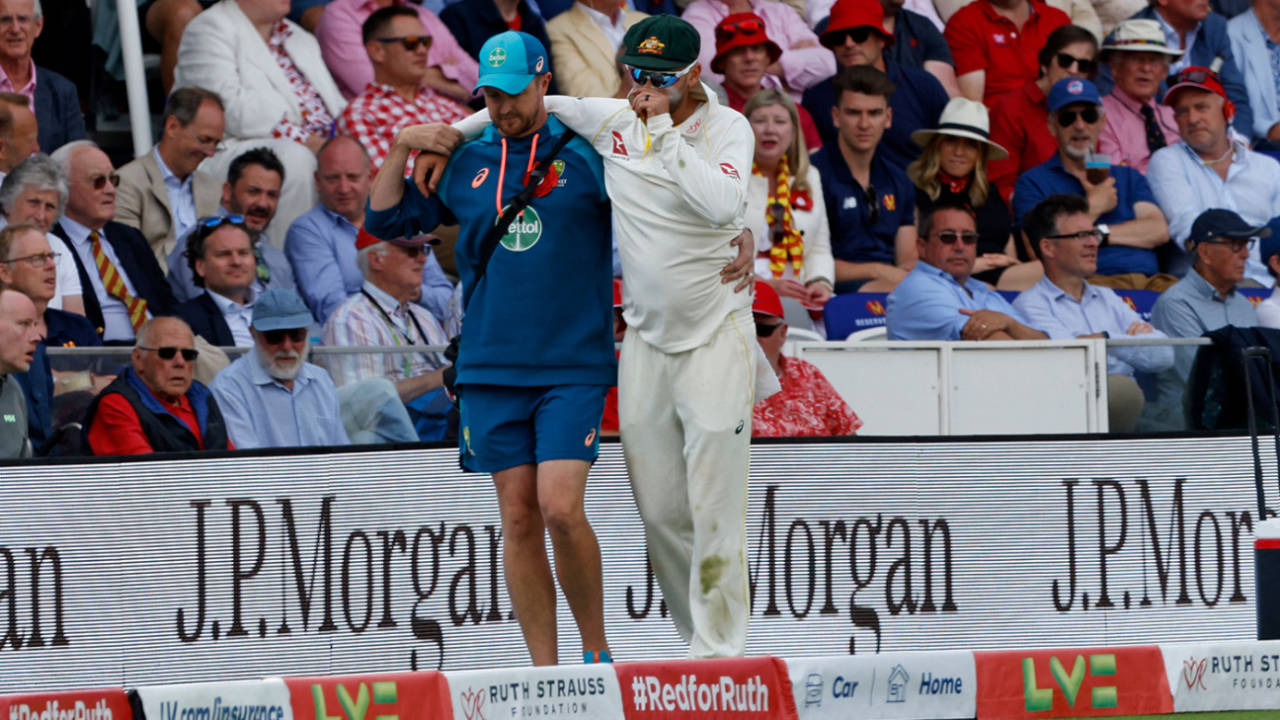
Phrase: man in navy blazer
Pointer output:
(1206, 31)
(53, 97)
(223, 264)
(90, 208)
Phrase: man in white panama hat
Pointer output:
(1135, 124)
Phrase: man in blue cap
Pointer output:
(1206, 299)
(531, 394)
(1120, 200)
(676, 163)
(273, 397)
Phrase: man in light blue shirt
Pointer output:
(273, 397)
(1206, 299)
(321, 244)
(1064, 305)
(938, 300)
(1208, 169)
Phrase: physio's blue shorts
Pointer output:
(502, 426)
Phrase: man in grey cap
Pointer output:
(273, 397)
(1206, 299)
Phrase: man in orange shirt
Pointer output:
(155, 405)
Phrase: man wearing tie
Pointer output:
(123, 284)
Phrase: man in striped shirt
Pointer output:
(383, 313)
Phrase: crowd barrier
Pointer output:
(851, 312)
(896, 388)
(1035, 683)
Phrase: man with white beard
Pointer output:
(273, 397)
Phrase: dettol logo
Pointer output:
(523, 232)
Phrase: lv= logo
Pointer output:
(1100, 696)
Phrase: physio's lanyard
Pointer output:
(395, 333)
(502, 171)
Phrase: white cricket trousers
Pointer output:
(685, 422)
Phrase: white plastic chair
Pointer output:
(878, 332)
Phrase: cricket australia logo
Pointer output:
(524, 232)
(497, 57)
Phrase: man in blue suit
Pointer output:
(123, 284)
(54, 97)
(1191, 26)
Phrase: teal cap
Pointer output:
(510, 60)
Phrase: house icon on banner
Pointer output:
(898, 679)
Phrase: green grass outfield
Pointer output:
(1228, 715)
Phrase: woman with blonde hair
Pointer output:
(785, 211)
(953, 169)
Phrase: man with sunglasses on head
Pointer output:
(122, 282)
(1210, 168)
(857, 36)
(398, 47)
(273, 397)
(1220, 243)
(1019, 121)
(1120, 200)
(1065, 305)
(939, 299)
(155, 405)
(220, 255)
(163, 192)
(251, 194)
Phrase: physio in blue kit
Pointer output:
(536, 357)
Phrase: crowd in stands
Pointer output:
(938, 151)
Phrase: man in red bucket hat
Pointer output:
(743, 53)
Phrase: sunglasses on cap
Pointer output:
(750, 26)
(1198, 76)
(858, 35)
(275, 337)
(949, 237)
(408, 42)
(1065, 61)
(100, 181)
(658, 78)
(765, 330)
(1067, 118)
(168, 352)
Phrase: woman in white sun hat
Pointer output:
(953, 169)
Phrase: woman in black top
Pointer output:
(953, 169)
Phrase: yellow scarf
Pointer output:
(786, 239)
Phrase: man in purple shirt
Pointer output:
(1136, 125)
